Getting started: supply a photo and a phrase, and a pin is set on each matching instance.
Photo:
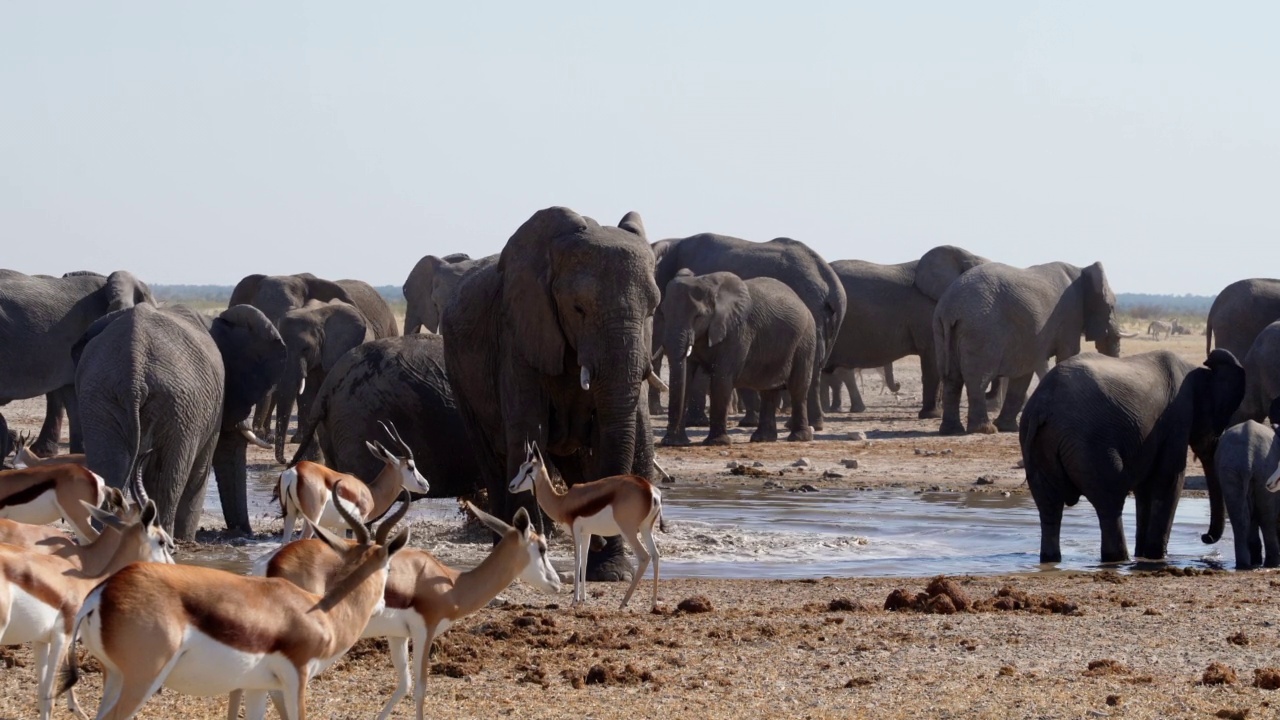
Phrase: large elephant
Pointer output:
(784, 259)
(316, 336)
(890, 314)
(1246, 456)
(997, 321)
(181, 384)
(1101, 427)
(1240, 312)
(276, 295)
(833, 380)
(1262, 375)
(551, 345)
(430, 287)
(41, 318)
(402, 381)
(752, 334)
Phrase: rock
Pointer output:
(806, 488)
(694, 605)
(850, 463)
(724, 453)
(757, 464)
(1219, 674)
(733, 464)
(984, 480)
(773, 485)
(832, 475)
(948, 451)
(857, 435)
(1005, 493)
(1022, 464)
(803, 462)
(1267, 678)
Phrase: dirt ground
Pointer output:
(1064, 645)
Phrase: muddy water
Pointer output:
(738, 532)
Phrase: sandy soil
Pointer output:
(1020, 647)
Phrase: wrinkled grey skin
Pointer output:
(276, 295)
(1246, 456)
(890, 315)
(784, 259)
(316, 336)
(1101, 427)
(1240, 312)
(401, 380)
(997, 321)
(41, 318)
(566, 294)
(831, 383)
(430, 287)
(1262, 373)
(752, 334)
(176, 382)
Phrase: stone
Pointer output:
(984, 480)
(850, 463)
(757, 464)
(857, 435)
(803, 462)
(833, 474)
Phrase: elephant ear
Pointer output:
(939, 267)
(253, 357)
(94, 331)
(1099, 302)
(1225, 389)
(732, 300)
(632, 223)
(325, 290)
(245, 290)
(526, 271)
(124, 291)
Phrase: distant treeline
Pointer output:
(1153, 307)
(222, 293)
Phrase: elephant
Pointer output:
(831, 383)
(1246, 456)
(1262, 375)
(181, 384)
(789, 261)
(276, 295)
(997, 321)
(41, 318)
(316, 336)
(754, 334)
(890, 314)
(400, 381)
(430, 286)
(1101, 427)
(1240, 312)
(551, 345)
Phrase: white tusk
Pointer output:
(656, 382)
(584, 379)
(302, 386)
(689, 351)
(247, 432)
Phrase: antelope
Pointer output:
(44, 494)
(621, 504)
(310, 489)
(202, 631)
(24, 458)
(35, 538)
(40, 594)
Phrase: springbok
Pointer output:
(424, 596)
(309, 489)
(40, 594)
(621, 504)
(201, 631)
(45, 539)
(41, 495)
(24, 458)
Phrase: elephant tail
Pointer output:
(944, 338)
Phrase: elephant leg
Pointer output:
(191, 502)
(1014, 398)
(72, 404)
(1242, 525)
(979, 421)
(46, 444)
(1270, 536)
(229, 471)
(856, 403)
(750, 408)
(721, 390)
(1110, 522)
(815, 407)
(829, 392)
(952, 389)
(931, 386)
(655, 396)
(262, 416)
(1255, 543)
(767, 430)
(695, 410)
(1049, 504)
(166, 475)
(995, 394)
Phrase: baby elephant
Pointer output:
(1246, 458)
(754, 334)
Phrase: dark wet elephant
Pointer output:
(41, 318)
(784, 259)
(430, 287)
(401, 380)
(1240, 312)
(181, 384)
(890, 315)
(551, 345)
(1102, 427)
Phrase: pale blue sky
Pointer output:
(199, 142)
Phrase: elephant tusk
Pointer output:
(302, 386)
(656, 382)
(247, 432)
(584, 378)
(688, 351)
(1128, 335)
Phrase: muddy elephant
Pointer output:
(181, 384)
(997, 321)
(789, 261)
(1246, 457)
(1240, 312)
(1102, 427)
(400, 380)
(890, 314)
(551, 345)
(41, 318)
(753, 334)
(316, 336)
(430, 287)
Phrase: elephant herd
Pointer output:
(554, 339)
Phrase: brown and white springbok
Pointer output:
(48, 493)
(40, 594)
(425, 597)
(201, 631)
(45, 539)
(309, 489)
(628, 505)
(24, 458)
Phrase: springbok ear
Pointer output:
(521, 521)
(489, 521)
(732, 301)
(376, 449)
(103, 516)
(333, 541)
(149, 513)
(398, 543)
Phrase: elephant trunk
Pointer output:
(412, 319)
(287, 392)
(615, 387)
(1217, 505)
(678, 349)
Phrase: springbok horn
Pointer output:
(357, 527)
(584, 378)
(248, 434)
(394, 432)
(136, 487)
(380, 536)
(656, 382)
